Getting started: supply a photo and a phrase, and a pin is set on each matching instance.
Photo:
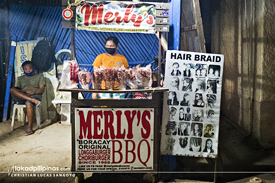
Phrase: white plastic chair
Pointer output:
(18, 106)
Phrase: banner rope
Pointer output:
(76, 3)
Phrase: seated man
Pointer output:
(28, 90)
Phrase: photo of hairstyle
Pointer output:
(186, 100)
(181, 114)
(172, 98)
(200, 85)
(172, 112)
(187, 84)
(201, 70)
(187, 71)
(170, 141)
(198, 102)
(217, 73)
(211, 100)
(175, 69)
(208, 146)
(208, 131)
(198, 72)
(183, 142)
(195, 144)
(175, 82)
(198, 115)
(210, 114)
(171, 128)
(214, 71)
(184, 129)
(212, 86)
(196, 129)
(188, 114)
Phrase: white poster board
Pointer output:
(23, 53)
(192, 106)
(113, 139)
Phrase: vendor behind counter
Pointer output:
(110, 59)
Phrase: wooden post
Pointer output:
(159, 61)
(192, 36)
(5, 47)
(198, 21)
(72, 43)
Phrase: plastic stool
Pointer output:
(18, 106)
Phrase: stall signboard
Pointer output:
(192, 106)
(115, 16)
(114, 139)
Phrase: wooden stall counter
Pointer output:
(125, 102)
(140, 119)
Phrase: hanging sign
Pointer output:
(115, 16)
(67, 13)
(114, 139)
(193, 104)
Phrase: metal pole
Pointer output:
(74, 98)
(9, 79)
(73, 43)
(159, 60)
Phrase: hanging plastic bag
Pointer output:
(84, 78)
(131, 80)
(108, 76)
(68, 76)
(121, 76)
(74, 69)
(144, 76)
(97, 78)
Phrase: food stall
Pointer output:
(121, 135)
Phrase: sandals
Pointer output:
(29, 133)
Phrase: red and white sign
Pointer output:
(116, 16)
(108, 139)
(67, 13)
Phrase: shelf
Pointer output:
(157, 89)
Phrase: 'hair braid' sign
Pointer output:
(193, 104)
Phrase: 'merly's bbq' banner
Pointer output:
(114, 139)
(116, 16)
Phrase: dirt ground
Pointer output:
(50, 148)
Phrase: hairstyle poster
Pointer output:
(190, 125)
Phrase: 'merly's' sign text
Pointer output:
(114, 125)
(94, 14)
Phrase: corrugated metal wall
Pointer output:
(28, 22)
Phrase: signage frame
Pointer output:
(155, 103)
(194, 80)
